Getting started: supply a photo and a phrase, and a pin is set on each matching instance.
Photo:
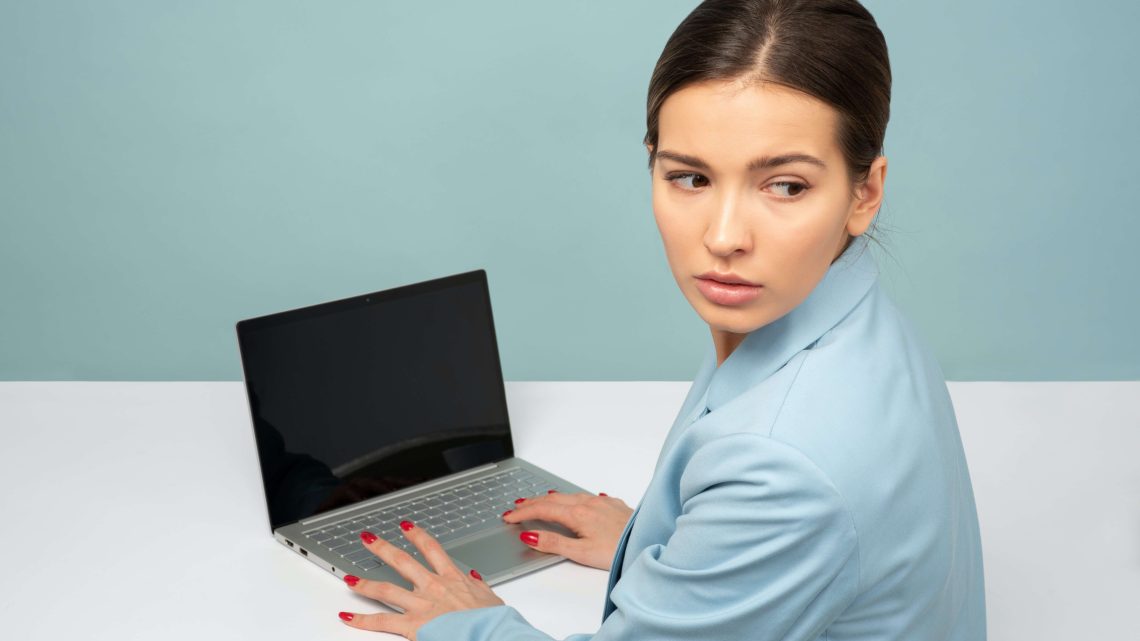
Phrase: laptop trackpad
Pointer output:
(503, 551)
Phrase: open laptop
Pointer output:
(391, 406)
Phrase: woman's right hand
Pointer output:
(597, 520)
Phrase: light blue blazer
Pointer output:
(812, 487)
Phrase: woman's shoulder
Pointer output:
(871, 367)
(870, 387)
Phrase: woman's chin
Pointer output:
(732, 319)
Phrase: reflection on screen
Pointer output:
(354, 399)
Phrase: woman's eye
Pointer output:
(688, 180)
(795, 188)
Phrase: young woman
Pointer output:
(814, 484)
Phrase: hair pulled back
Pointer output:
(829, 49)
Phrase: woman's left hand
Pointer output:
(445, 590)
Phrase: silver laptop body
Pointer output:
(387, 407)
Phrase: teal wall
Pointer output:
(167, 168)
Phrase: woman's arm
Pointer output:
(764, 549)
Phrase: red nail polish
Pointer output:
(517, 501)
(406, 525)
(476, 575)
(551, 491)
(368, 537)
(530, 538)
(345, 616)
(351, 579)
(602, 494)
(507, 512)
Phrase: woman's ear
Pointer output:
(870, 198)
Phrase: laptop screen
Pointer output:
(360, 397)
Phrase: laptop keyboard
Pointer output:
(449, 514)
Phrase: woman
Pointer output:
(814, 484)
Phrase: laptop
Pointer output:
(390, 406)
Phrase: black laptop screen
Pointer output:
(364, 396)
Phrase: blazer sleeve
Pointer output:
(764, 548)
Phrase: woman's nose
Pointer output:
(728, 230)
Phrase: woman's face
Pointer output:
(749, 181)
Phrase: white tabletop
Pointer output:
(134, 510)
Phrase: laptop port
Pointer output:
(289, 542)
(304, 552)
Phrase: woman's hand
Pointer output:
(445, 590)
(597, 520)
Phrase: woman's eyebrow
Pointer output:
(763, 162)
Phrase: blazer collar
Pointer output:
(768, 348)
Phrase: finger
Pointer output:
(523, 508)
(549, 499)
(544, 511)
(399, 560)
(557, 497)
(379, 622)
(382, 591)
(551, 542)
(430, 548)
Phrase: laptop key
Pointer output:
(450, 535)
(368, 564)
(349, 543)
(359, 555)
(335, 544)
(432, 527)
(487, 524)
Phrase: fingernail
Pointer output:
(406, 525)
(476, 575)
(602, 494)
(517, 501)
(551, 491)
(351, 579)
(368, 537)
(345, 616)
(507, 512)
(530, 538)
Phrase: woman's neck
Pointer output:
(725, 343)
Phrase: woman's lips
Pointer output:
(725, 294)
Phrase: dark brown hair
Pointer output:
(829, 49)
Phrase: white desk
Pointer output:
(134, 510)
